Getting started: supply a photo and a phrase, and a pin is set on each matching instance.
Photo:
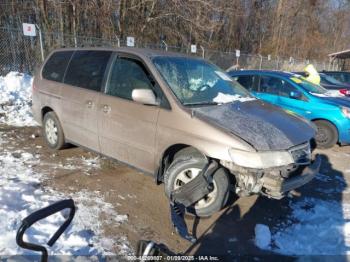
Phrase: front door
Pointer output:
(298, 105)
(127, 130)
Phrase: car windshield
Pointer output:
(330, 80)
(308, 86)
(197, 82)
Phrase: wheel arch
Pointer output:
(168, 156)
(326, 120)
(44, 111)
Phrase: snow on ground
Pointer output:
(315, 226)
(15, 99)
(21, 193)
(262, 236)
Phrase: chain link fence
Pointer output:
(23, 53)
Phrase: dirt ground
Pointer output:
(229, 233)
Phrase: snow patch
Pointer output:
(21, 194)
(262, 236)
(319, 227)
(222, 98)
(15, 99)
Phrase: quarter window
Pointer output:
(128, 74)
(55, 67)
(87, 69)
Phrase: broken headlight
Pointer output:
(264, 159)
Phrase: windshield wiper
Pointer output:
(205, 103)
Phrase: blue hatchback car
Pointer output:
(327, 110)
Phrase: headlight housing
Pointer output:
(345, 111)
(260, 159)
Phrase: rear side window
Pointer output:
(87, 69)
(56, 66)
(247, 82)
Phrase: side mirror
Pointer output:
(144, 96)
(295, 95)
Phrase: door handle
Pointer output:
(89, 104)
(106, 108)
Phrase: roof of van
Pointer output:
(131, 50)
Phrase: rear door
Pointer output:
(127, 130)
(80, 96)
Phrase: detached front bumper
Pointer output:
(277, 188)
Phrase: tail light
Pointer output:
(345, 92)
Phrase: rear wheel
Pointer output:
(327, 134)
(52, 131)
(184, 169)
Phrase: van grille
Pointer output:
(301, 154)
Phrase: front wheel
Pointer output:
(183, 170)
(327, 134)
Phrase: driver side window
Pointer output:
(270, 85)
(126, 75)
(287, 89)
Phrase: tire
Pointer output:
(190, 166)
(52, 131)
(327, 134)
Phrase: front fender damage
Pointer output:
(273, 182)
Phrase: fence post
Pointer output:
(202, 51)
(166, 45)
(41, 43)
(261, 60)
(118, 40)
(277, 64)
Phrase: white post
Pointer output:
(203, 51)
(41, 43)
(118, 40)
(166, 45)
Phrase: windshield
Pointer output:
(197, 82)
(308, 86)
(329, 80)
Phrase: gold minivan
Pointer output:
(172, 115)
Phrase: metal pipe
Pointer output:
(165, 44)
(203, 52)
(41, 43)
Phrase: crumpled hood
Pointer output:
(264, 126)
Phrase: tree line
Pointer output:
(307, 29)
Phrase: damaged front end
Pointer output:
(272, 173)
